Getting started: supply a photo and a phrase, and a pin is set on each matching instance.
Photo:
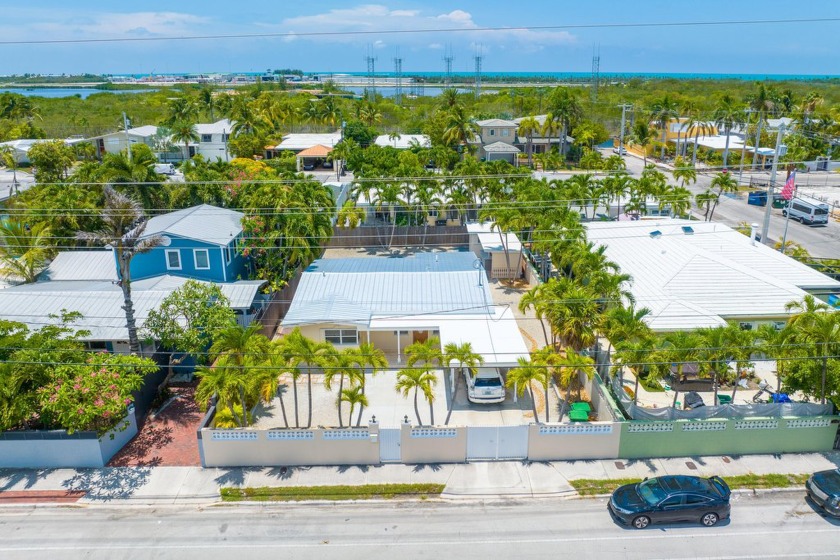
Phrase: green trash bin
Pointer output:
(724, 399)
(578, 416)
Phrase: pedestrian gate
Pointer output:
(497, 442)
(389, 445)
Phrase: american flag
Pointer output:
(790, 186)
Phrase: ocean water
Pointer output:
(54, 93)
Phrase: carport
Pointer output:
(312, 156)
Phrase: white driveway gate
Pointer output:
(497, 442)
(389, 445)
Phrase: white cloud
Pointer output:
(102, 25)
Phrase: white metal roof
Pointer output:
(704, 277)
(81, 265)
(301, 141)
(100, 303)
(219, 127)
(404, 141)
(496, 122)
(495, 337)
(352, 290)
(492, 241)
(501, 148)
(201, 223)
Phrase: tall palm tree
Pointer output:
(761, 102)
(625, 324)
(571, 365)
(416, 380)
(460, 128)
(728, 113)
(124, 224)
(818, 328)
(306, 354)
(684, 172)
(634, 355)
(642, 135)
(565, 107)
(368, 357)
(679, 199)
(527, 128)
(725, 183)
(24, 249)
(662, 111)
(466, 358)
(679, 348)
(522, 377)
(184, 131)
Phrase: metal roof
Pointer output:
(351, 290)
(100, 303)
(201, 223)
(491, 239)
(501, 148)
(705, 277)
(219, 127)
(81, 265)
(301, 141)
(496, 122)
(404, 141)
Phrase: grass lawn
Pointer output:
(301, 493)
(593, 487)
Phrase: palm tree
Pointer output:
(565, 108)
(268, 378)
(728, 114)
(571, 365)
(684, 172)
(679, 198)
(354, 396)
(123, 226)
(305, 353)
(527, 127)
(818, 328)
(24, 249)
(460, 128)
(662, 112)
(697, 125)
(184, 131)
(341, 153)
(725, 183)
(418, 379)
(368, 356)
(625, 324)
(634, 355)
(8, 159)
(466, 358)
(523, 376)
(679, 348)
(642, 134)
(761, 102)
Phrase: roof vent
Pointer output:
(655, 233)
(688, 230)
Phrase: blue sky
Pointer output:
(760, 49)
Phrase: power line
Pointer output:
(299, 34)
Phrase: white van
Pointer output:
(165, 168)
(807, 212)
(486, 387)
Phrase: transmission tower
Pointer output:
(478, 59)
(448, 59)
(398, 74)
(371, 71)
(596, 74)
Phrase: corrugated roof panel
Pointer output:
(202, 223)
(81, 265)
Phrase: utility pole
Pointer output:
(765, 227)
(127, 139)
(744, 145)
(624, 107)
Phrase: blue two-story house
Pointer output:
(202, 242)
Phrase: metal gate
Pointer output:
(389, 445)
(497, 442)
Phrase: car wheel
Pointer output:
(710, 519)
(641, 522)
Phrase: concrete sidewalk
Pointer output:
(509, 479)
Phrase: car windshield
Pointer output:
(651, 491)
(487, 382)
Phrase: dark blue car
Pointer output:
(824, 490)
(670, 499)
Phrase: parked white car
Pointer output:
(486, 387)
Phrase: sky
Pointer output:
(790, 48)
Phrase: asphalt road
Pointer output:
(820, 241)
(769, 526)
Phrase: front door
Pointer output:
(419, 336)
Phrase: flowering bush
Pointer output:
(94, 395)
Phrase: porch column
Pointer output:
(399, 348)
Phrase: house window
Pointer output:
(206, 138)
(225, 137)
(173, 259)
(779, 325)
(505, 132)
(492, 132)
(228, 253)
(341, 336)
(746, 326)
(202, 259)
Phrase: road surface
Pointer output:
(767, 526)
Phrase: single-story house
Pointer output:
(403, 141)
(694, 274)
(202, 242)
(500, 151)
(311, 158)
(20, 148)
(392, 302)
(496, 249)
(71, 284)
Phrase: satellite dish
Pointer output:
(165, 241)
(477, 264)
